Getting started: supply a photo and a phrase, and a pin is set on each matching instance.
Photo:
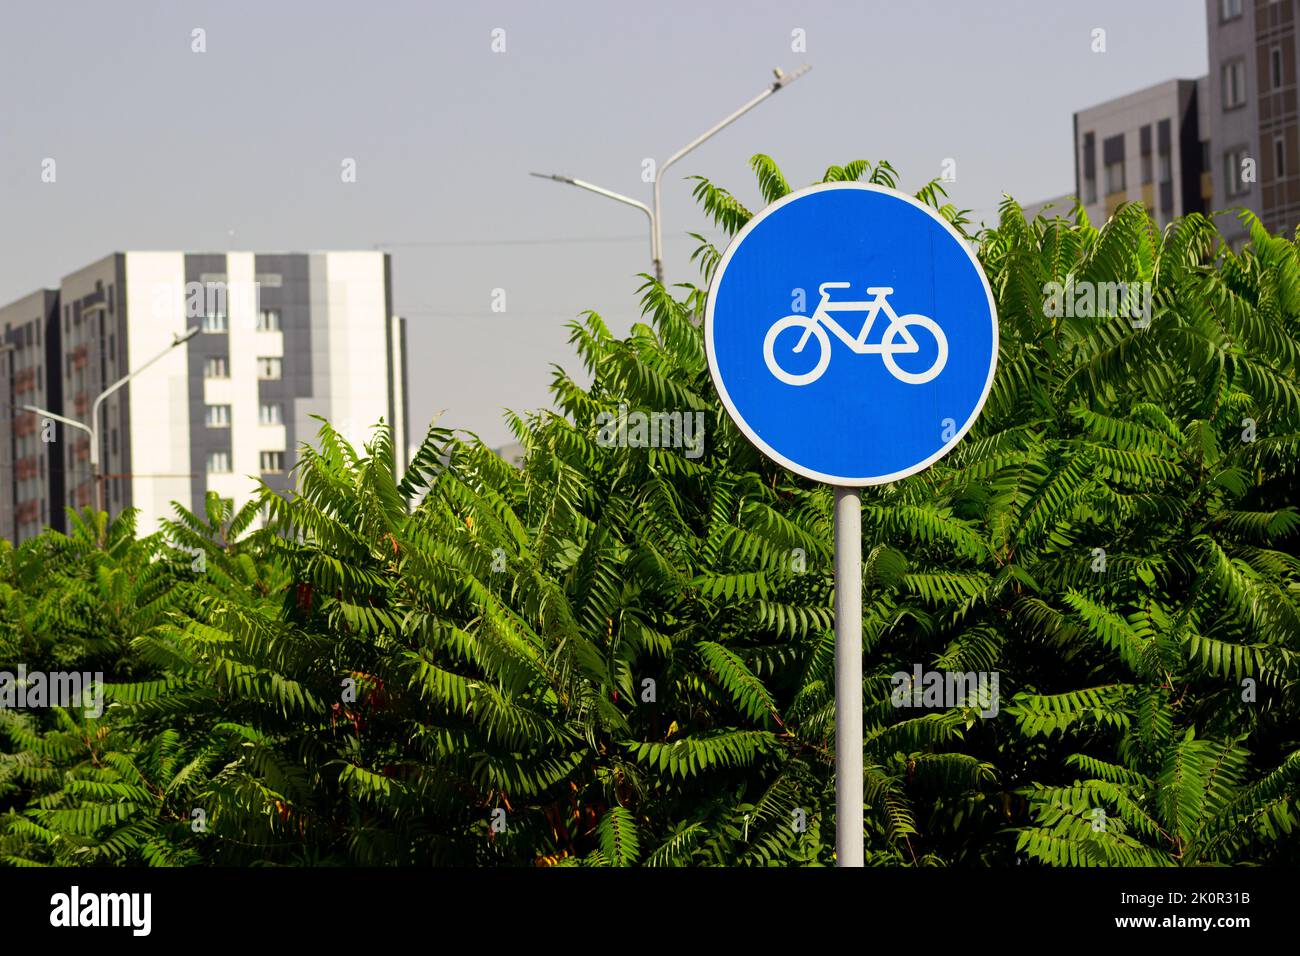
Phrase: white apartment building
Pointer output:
(283, 337)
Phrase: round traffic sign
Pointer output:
(851, 333)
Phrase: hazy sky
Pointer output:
(158, 147)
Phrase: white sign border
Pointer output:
(764, 447)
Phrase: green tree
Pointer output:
(620, 655)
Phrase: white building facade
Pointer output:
(283, 337)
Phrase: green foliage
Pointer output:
(623, 656)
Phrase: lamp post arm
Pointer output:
(46, 413)
(94, 408)
(782, 80)
(609, 194)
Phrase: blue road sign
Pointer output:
(851, 334)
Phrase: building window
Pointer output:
(218, 462)
(268, 320)
(272, 461)
(1279, 157)
(214, 366)
(268, 368)
(1233, 160)
(271, 413)
(1275, 67)
(1166, 169)
(217, 416)
(1115, 177)
(1234, 84)
(1229, 10)
(215, 322)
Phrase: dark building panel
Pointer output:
(292, 297)
(205, 345)
(1189, 153)
(53, 393)
(1113, 149)
(8, 439)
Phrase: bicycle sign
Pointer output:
(930, 317)
(820, 321)
(817, 287)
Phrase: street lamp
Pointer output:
(656, 218)
(617, 197)
(93, 428)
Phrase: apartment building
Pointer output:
(1254, 118)
(31, 481)
(1147, 146)
(1226, 141)
(282, 337)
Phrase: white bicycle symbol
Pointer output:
(817, 324)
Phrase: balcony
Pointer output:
(25, 423)
(25, 381)
(27, 467)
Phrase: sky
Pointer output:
(242, 146)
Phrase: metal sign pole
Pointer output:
(848, 678)
(861, 422)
